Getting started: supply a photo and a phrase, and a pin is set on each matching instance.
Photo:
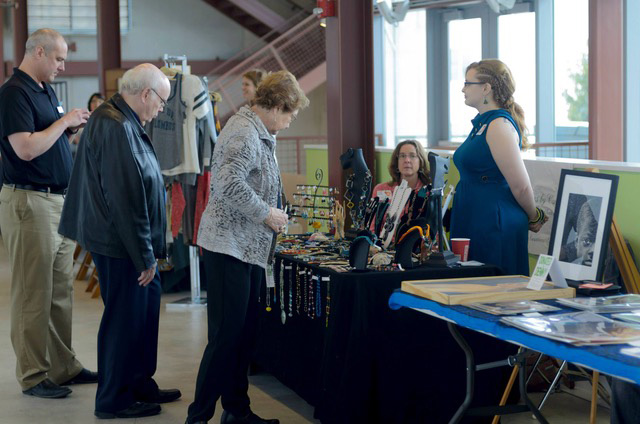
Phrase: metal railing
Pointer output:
(253, 48)
(299, 50)
(573, 150)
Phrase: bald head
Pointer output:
(143, 76)
(146, 90)
(46, 38)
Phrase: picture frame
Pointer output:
(582, 223)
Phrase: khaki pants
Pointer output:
(41, 286)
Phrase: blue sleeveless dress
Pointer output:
(484, 210)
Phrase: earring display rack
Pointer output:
(314, 202)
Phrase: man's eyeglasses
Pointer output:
(163, 101)
(466, 83)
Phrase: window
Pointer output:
(465, 47)
(517, 49)
(405, 74)
(571, 57)
(70, 16)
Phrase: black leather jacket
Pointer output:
(115, 204)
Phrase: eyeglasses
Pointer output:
(404, 156)
(466, 83)
(163, 101)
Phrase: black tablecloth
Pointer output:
(370, 364)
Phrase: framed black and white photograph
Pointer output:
(583, 215)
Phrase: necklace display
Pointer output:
(357, 214)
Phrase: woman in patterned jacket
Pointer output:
(237, 230)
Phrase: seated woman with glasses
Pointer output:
(408, 162)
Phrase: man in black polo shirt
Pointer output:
(37, 164)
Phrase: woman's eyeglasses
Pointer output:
(466, 83)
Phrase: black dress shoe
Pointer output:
(161, 396)
(47, 389)
(137, 410)
(229, 418)
(83, 377)
(195, 422)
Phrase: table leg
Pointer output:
(518, 360)
(471, 368)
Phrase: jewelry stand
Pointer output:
(358, 187)
(404, 250)
(306, 199)
(438, 167)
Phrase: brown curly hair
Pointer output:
(280, 90)
(423, 170)
(497, 74)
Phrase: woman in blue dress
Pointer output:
(493, 205)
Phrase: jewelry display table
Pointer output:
(367, 363)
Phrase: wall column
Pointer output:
(109, 57)
(606, 118)
(350, 115)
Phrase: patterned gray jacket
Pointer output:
(245, 183)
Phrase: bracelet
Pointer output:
(540, 215)
(412, 229)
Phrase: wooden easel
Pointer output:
(631, 279)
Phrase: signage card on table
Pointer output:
(547, 265)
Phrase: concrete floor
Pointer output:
(182, 341)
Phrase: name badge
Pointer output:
(60, 109)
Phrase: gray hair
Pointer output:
(45, 38)
(141, 77)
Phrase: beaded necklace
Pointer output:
(328, 305)
(290, 280)
(298, 291)
(310, 298)
(318, 298)
(306, 293)
(283, 314)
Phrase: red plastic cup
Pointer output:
(460, 247)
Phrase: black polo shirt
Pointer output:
(27, 107)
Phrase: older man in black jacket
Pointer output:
(115, 208)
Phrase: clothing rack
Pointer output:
(194, 261)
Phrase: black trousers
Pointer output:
(625, 402)
(232, 311)
(128, 334)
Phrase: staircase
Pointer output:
(300, 50)
(250, 14)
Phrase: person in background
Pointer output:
(494, 205)
(237, 233)
(250, 82)
(115, 209)
(95, 100)
(408, 162)
(36, 168)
